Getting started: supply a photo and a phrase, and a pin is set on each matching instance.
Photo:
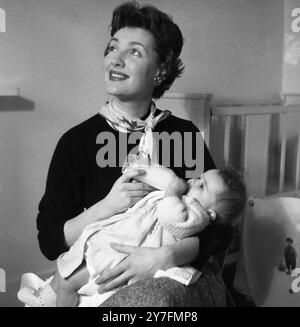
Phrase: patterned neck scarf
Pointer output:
(117, 120)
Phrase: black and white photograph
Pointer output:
(149, 156)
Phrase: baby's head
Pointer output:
(221, 192)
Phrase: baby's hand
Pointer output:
(157, 176)
(177, 187)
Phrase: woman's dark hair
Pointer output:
(231, 202)
(167, 35)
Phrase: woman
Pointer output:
(141, 62)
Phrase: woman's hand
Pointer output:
(141, 264)
(124, 194)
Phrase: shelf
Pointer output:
(11, 100)
(9, 91)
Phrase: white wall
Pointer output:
(233, 48)
(52, 50)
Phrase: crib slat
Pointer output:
(257, 137)
(282, 151)
(207, 119)
(228, 120)
(243, 147)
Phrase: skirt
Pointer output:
(208, 291)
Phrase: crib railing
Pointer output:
(263, 141)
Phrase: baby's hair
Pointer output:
(231, 203)
(289, 240)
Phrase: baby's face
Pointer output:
(206, 188)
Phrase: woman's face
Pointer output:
(131, 64)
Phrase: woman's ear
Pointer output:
(162, 72)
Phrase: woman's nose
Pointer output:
(117, 60)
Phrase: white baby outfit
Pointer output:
(153, 221)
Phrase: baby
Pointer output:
(178, 210)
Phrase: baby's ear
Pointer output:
(212, 214)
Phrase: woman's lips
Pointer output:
(117, 76)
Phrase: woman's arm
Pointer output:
(74, 226)
(123, 195)
(61, 216)
(62, 200)
(143, 262)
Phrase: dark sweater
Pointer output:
(75, 181)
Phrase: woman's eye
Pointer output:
(201, 186)
(135, 52)
(111, 48)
